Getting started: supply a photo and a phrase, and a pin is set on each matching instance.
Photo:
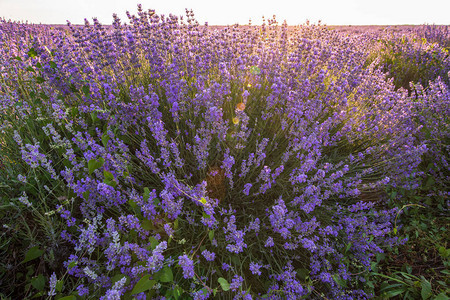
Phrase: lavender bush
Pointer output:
(435, 34)
(419, 58)
(189, 162)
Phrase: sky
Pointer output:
(295, 12)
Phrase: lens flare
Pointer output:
(240, 106)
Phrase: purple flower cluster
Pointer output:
(261, 143)
(233, 236)
(187, 265)
(418, 57)
(209, 256)
(255, 268)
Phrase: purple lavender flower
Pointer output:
(116, 291)
(255, 268)
(225, 266)
(234, 237)
(82, 290)
(236, 282)
(209, 256)
(168, 229)
(187, 265)
(247, 188)
(269, 242)
(52, 285)
(22, 178)
(24, 200)
(201, 294)
(155, 262)
(255, 225)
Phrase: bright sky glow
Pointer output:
(331, 12)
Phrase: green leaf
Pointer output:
(105, 139)
(74, 111)
(153, 242)
(147, 225)
(32, 53)
(394, 293)
(109, 179)
(132, 204)
(146, 194)
(255, 70)
(143, 285)
(211, 235)
(442, 283)
(33, 253)
(177, 291)
(430, 182)
(108, 175)
(391, 278)
(339, 280)
(40, 79)
(444, 252)
(86, 195)
(374, 266)
(85, 90)
(169, 294)
(94, 164)
(70, 297)
(426, 289)
(59, 285)
(164, 275)
(408, 269)
(38, 282)
(303, 273)
(53, 64)
(224, 284)
(72, 264)
(94, 117)
(30, 69)
(175, 224)
(38, 295)
(349, 245)
(44, 96)
(235, 259)
(393, 194)
(441, 296)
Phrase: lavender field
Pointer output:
(158, 158)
